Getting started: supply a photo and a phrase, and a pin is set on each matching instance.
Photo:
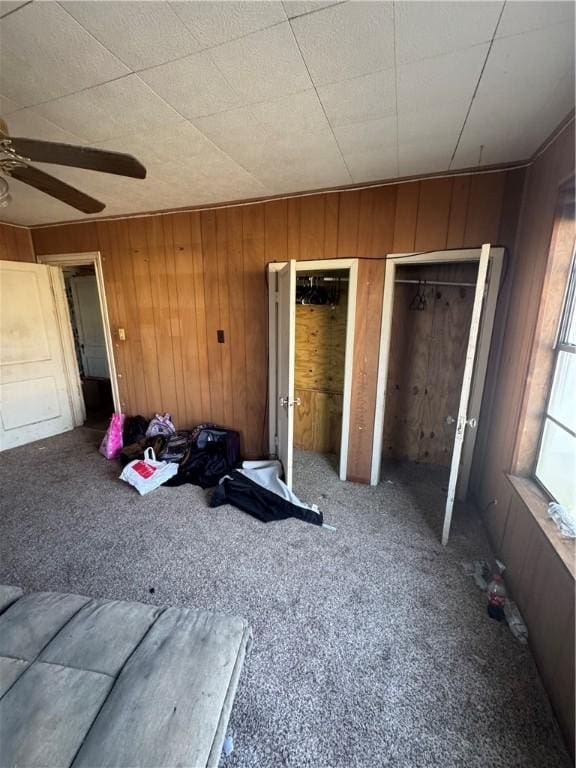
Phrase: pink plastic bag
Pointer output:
(111, 444)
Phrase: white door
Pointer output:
(286, 324)
(463, 419)
(34, 401)
(90, 327)
(487, 319)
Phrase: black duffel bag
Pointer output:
(213, 452)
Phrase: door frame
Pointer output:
(77, 303)
(320, 265)
(57, 262)
(482, 352)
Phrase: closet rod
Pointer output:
(424, 283)
(325, 279)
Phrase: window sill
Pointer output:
(537, 503)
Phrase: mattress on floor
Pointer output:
(111, 683)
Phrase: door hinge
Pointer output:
(472, 423)
(285, 401)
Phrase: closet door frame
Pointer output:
(321, 265)
(482, 352)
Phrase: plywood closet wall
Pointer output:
(426, 364)
(173, 280)
(319, 375)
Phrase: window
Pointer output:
(556, 464)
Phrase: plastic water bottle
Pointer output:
(496, 593)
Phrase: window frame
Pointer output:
(561, 344)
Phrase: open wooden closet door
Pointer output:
(462, 420)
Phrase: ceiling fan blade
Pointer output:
(52, 186)
(79, 157)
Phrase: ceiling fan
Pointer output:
(16, 154)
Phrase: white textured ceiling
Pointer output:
(231, 100)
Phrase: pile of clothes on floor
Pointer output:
(153, 453)
(202, 455)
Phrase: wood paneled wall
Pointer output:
(523, 295)
(15, 243)
(173, 280)
(540, 579)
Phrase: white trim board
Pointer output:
(320, 265)
(60, 261)
(483, 351)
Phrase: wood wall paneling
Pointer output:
(236, 322)
(173, 280)
(312, 228)
(365, 366)
(16, 244)
(485, 203)
(544, 589)
(256, 303)
(348, 220)
(276, 230)
(484, 449)
(213, 324)
(183, 315)
(331, 209)
(376, 222)
(524, 280)
(535, 570)
(458, 211)
(406, 218)
(434, 214)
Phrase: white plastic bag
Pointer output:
(564, 518)
(147, 474)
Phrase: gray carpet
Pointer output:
(371, 646)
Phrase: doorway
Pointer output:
(430, 328)
(89, 344)
(320, 347)
(312, 310)
(437, 321)
(78, 287)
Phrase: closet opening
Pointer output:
(311, 326)
(438, 315)
(320, 350)
(430, 329)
